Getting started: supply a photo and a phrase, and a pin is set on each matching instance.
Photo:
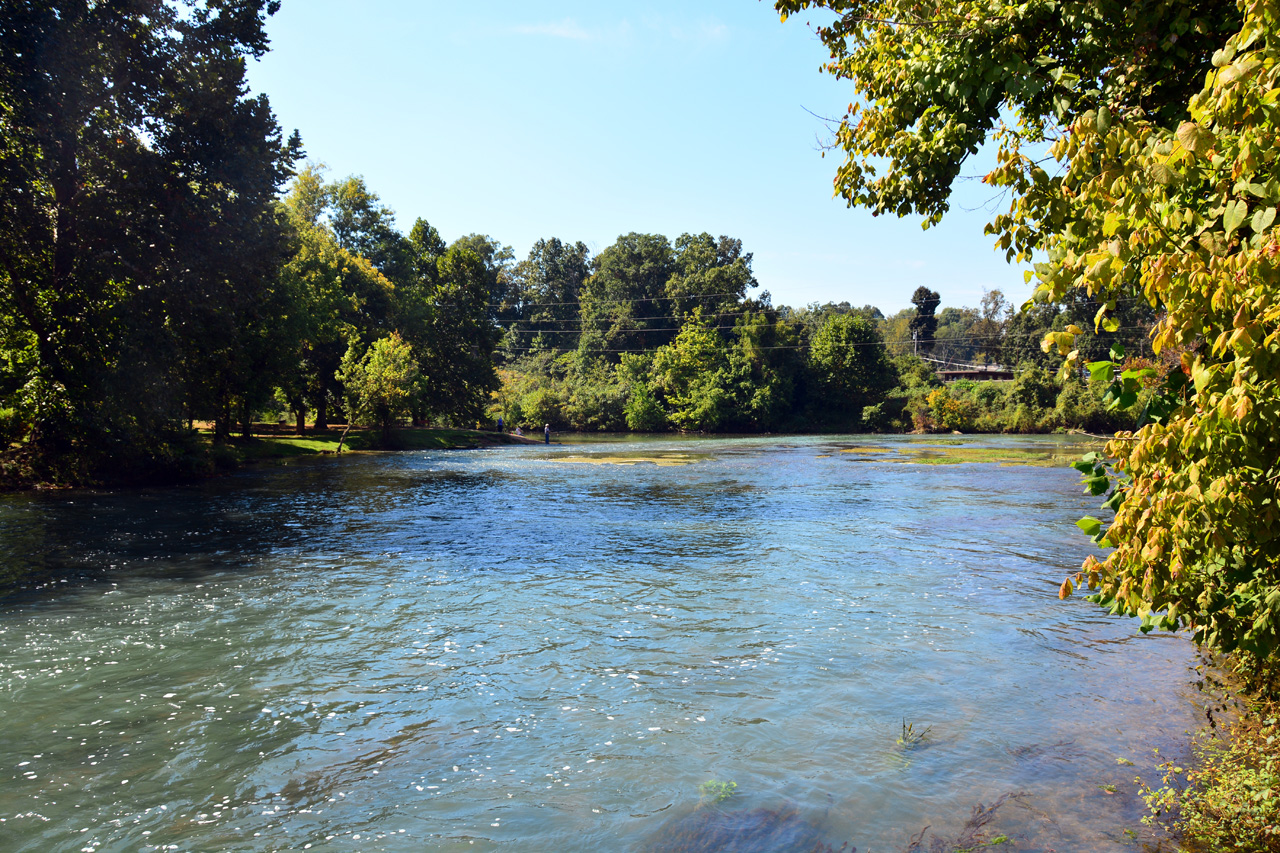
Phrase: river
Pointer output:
(556, 648)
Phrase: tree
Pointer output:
(1162, 120)
(851, 368)
(496, 259)
(547, 286)
(137, 187)
(458, 339)
(691, 374)
(934, 83)
(341, 295)
(711, 275)
(623, 302)
(924, 325)
(380, 382)
(364, 226)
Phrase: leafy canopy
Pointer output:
(1161, 182)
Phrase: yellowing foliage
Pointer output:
(1162, 128)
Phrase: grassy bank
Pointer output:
(261, 448)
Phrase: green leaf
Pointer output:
(1234, 214)
(1161, 174)
(1262, 219)
(1101, 371)
(1097, 485)
(1090, 525)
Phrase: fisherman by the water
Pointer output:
(546, 434)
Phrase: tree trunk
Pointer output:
(222, 425)
(301, 414)
(322, 412)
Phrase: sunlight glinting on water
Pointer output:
(553, 648)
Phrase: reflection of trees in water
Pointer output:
(180, 533)
(228, 523)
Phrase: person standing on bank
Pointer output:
(546, 434)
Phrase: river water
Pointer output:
(552, 648)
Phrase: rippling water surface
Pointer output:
(520, 649)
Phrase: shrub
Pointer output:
(949, 411)
(13, 427)
(643, 412)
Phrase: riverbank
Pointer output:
(200, 457)
(266, 447)
(1227, 797)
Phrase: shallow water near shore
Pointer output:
(509, 649)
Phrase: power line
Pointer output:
(903, 341)
(900, 341)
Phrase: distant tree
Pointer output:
(1024, 332)
(458, 342)
(338, 297)
(710, 275)
(364, 226)
(924, 324)
(496, 260)
(851, 369)
(547, 286)
(380, 382)
(623, 302)
(989, 332)
(691, 374)
(954, 334)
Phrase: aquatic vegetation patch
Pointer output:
(661, 459)
(709, 829)
(956, 453)
(912, 736)
(717, 791)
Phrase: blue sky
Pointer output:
(586, 120)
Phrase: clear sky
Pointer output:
(586, 119)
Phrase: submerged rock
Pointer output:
(760, 830)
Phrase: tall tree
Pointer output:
(137, 183)
(497, 260)
(924, 325)
(711, 275)
(624, 303)
(851, 369)
(547, 286)
(456, 351)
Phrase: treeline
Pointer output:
(165, 262)
(153, 274)
(652, 335)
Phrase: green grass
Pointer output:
(266, 448)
